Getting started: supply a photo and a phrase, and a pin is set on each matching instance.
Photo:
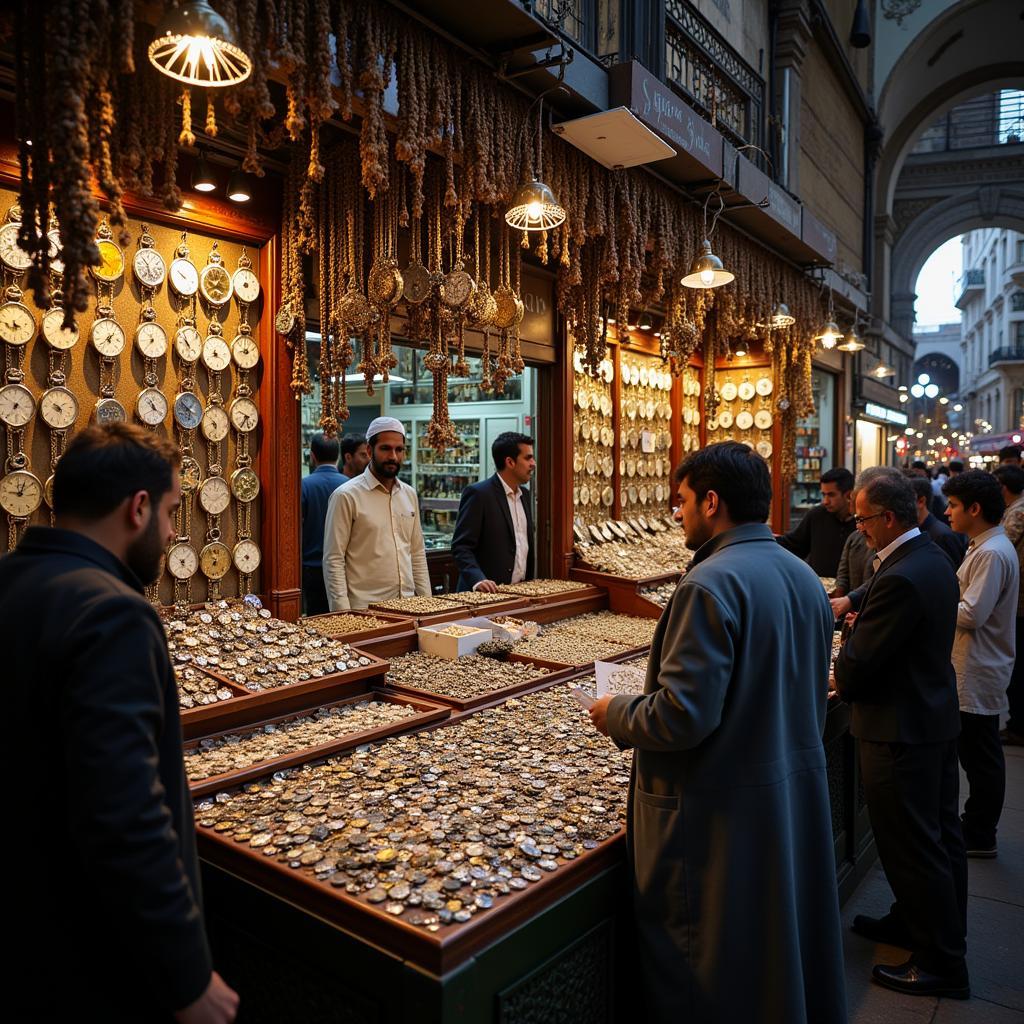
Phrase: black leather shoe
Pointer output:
(915, 981)
(882, 929)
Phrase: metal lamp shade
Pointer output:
(781, 316)
(829, 335)
(852, 343)
(195, 45)
(534, 208)
(707, 271)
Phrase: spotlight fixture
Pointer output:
(644, 321)
(195, 45)
(203, 179)
(534, 206)
(707, 270)
(741, 348)
(239, 189)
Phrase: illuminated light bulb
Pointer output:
(707, 278)
(534, 210)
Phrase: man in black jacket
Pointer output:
(819, 537)
(106, 920)
(954, 544)
(896, 673)
(493, 541)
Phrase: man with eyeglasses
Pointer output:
(895, 672)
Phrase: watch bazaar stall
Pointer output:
(383, 830)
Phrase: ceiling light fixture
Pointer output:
(852, 343)
(829, 335)
(195, 45)
(707, 270)
(203, 178)
(534, 206)
(239, 189)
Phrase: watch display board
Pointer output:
(645, 463)
(140, 381)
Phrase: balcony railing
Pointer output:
(593, 25)
(713, 77)
(971, 282)
(1007, 354)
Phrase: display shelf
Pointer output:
(624, 593)
(564, 597)
(398, 624)
(457, 612)
(427, 712)
(501, 605)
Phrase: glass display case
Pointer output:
(815, 446)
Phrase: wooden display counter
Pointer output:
(624, 593)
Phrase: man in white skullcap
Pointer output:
(373, 542)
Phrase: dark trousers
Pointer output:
(912, 793)
(314, 591)
(1016, 690)
(981, 755)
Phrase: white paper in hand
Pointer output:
(584, 698)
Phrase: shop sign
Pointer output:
(755, 185)
(880, 412)
(538, 297)
(654, 103)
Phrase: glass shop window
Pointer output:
(815, 446)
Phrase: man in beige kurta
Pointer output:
(373, 541)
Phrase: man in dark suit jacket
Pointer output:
(954, 544)
(107, 910)
(895, 672)
(493, 540)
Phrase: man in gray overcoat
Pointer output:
(729, 825)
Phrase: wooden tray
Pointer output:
(459, 611)
(569, 595)
(398, 624)
(250, 707)
(428, 712)
(392, 647)
(624, 594)
(503, 604)
(587, 666)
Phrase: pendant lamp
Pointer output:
(707, 270)
(781, 317)
(534, 206)
(194, 45)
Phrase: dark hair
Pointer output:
(324, 448)
(1011, 477)
(1011, 451)
(736, 473)
(351, 442)
(977, 486)
(839, 475)
(103, 465)
(894, 493)
(506, 446)
(922, 487)
(918, 464)
(955, 466)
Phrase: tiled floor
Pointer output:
(995, 935)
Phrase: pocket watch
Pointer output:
(216, 354)
(416, 283)
(246, 556)
(763, 419)
(214, 495)
(746, 391)
(215, 560)
(151, 407)
(188, 410)
(215, 425)
(188, 344)
(244, 414)
(56, 252)
(245, 283)
(147, 264)
(245, 351)
(505, 307)
(215, 281)
(108, 337)
(55, 334)
(284, 320)
(744, 420)
(21, 493)
(17, 324)
(151, 339)
(13, 256)
(245, 484)
(58, 408)
(183, 276)
(17, 405)
(109, 410)
(384, 285)
(182, 560)
(191, 474)
(110, 269)
(48, 491)
(353, 310)
(457, 288)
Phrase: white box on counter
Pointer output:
(434, 640)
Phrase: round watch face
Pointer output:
(216, 354)
(151, 340)
(244, 415)
(182, 560)
(246, 556)
(17, 324)
(183, 277)
(245, 484)
(188, 344)
(21, 493)
(191, 475)
(214, 495)
(109, 410)
(111, 265)
(246, 285)
(17, 405)
(457, 289)
(149, 268)
(245, 351)
(151, 407)
(58, 408)
(108, 337)
(56, 254)
(48, 491)
(215, 284)
(54, 332)
(215, 560)
(215, 425)
(188, 410)
(12, 254)
(417, 281)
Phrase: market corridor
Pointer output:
(995, 934)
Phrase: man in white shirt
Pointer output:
(373, 541)
(493, 541)
(984, 649)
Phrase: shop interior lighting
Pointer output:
(904, 397)
(239, 189)
(882, 370)
(534, 206)
(931, 390)
(958, 407)
(830, 335)
(943, 400)
(644, 321)
(741, 348)
(707, 270)
(194, 45)
(203, 178)
(781, 316)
